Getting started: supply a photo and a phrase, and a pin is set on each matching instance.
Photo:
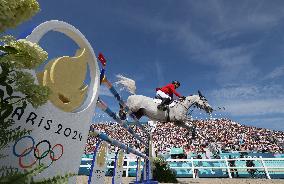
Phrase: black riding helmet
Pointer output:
(176, 82)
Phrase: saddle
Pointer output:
(172, 104)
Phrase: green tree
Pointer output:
(162, 172)
(20, 55)
(14, 12)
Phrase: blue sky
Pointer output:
(231, 50)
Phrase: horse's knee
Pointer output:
(138, 114)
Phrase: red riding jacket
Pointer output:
(170, 90)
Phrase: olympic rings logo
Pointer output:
(36, 152)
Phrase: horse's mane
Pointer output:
(126, 83)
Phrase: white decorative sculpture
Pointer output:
(60, 127)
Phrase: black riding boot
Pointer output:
(165, 101)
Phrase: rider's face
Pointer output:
(176, 86)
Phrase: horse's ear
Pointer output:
(201, 96)
(199, 93)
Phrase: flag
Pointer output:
(102, 59)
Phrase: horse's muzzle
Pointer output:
(209, 110)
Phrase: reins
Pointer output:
(187, 108)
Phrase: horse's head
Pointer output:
(201, 102)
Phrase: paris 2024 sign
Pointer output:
(60, 127)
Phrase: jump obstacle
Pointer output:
(102, 105)
(117, 143)
(97, 172)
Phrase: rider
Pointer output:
(166, 94)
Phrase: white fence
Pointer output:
(226, 166)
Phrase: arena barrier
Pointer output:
(264, 168)
(97, 172)
(273, 168)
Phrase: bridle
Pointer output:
(187, 108)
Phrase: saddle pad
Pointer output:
(158, 101)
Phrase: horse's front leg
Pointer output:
(189, 127)
(122, 113)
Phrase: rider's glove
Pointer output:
(182, 98)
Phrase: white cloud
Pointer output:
(250, 100)
(238, 16)
(234, 63)
(234, 92)
(274, 123)
(223, 20)
(255, 107)
(104, 91)
(248, 91)
(276, 73)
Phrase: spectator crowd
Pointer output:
(225, 134)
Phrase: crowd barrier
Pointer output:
(265, 168)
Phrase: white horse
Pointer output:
(141, 105)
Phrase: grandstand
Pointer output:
(211, 139)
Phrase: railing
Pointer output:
(195, 165)
(227, 166)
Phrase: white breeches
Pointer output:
(161, 94)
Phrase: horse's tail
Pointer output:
(126, 83)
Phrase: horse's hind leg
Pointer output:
(138, 114)
(122, 114)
